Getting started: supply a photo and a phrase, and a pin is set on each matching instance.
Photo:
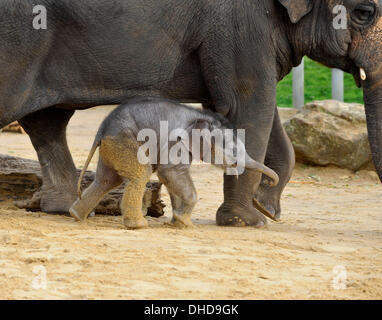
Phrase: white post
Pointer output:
(338, 85)
(298, 86)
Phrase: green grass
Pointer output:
(317, 86)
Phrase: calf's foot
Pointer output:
(78, 211)
(134, 224)
(182, 220)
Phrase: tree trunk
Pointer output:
(20, 180)
(13, 127)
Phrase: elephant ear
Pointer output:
(297, 9)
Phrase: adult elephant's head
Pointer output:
(345, 34)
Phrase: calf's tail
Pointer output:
(90, 156)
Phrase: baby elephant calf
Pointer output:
(120, 143)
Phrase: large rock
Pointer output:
(330, 132)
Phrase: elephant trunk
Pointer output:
(373, 109)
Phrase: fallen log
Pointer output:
(21, 179)
(14, 127)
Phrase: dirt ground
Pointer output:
(327, 246)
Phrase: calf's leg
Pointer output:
(131, 205)
(120, 153)
(106, 179)
(182, 192)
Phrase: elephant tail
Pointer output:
(96, 144)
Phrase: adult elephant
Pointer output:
(226, 54)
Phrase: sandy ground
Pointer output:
(328, 244)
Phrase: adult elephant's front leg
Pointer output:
(47, 131)
(281, 158)
(238, 209)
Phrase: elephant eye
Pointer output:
(364, 14)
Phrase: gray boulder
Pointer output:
(330, 132)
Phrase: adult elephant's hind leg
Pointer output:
(47, 131)
(281, 158)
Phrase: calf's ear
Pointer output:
(297, 9)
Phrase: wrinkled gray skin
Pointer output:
(117, 139)
(227, 54)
